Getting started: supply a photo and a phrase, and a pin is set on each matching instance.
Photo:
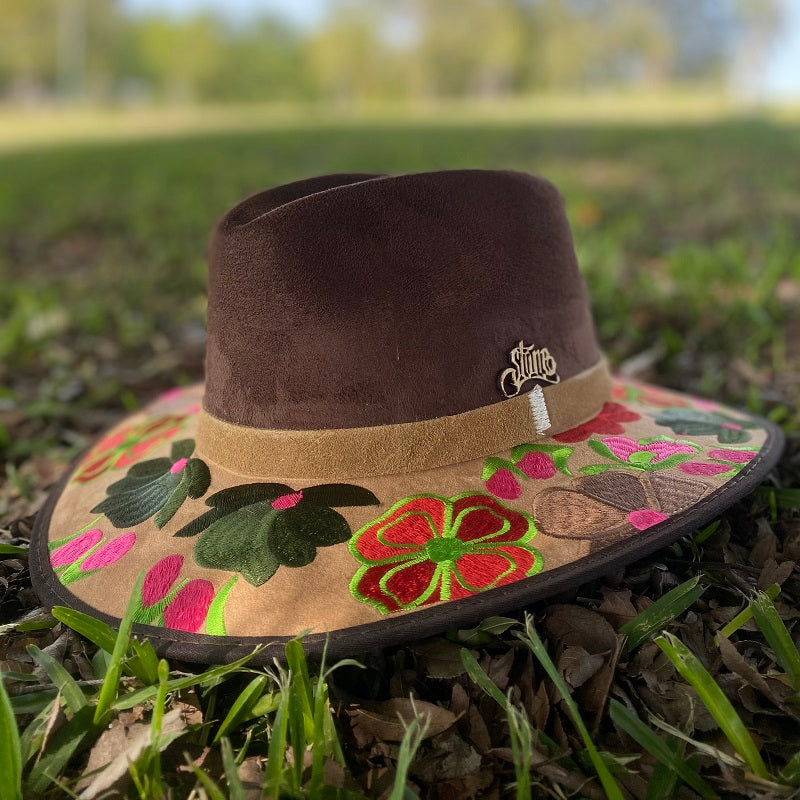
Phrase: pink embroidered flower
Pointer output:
(160, 577)
(189, 608)
(503, 484)
(71, 551)
(703, 468)
(737, 456)
(287, 501)
(607, 421)
(645, 518)
(538, 466)
(651, 453)
(109, 553)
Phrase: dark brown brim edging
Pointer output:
(394, 630)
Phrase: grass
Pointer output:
(687, 233)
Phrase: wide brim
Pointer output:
(370, 563)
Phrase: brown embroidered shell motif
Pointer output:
(603, 508)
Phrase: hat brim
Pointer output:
(372, 563)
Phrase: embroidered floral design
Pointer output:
(255, 528)
(724, 463)
(83, 553)
(185, 605)
(159, 486)
(607, 421)
(645, 454)
(646, 395)
(610, 506)
(694, 422)
(528, 462)
(427, 548)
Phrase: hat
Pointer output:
(406, 425)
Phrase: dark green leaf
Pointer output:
(239, 542)
(173, 503)
(146, 469)
(182, 449)
(128, 508)
(340, 495)
(247, 493)
(199, 478)
(319, 525)
(10, 751)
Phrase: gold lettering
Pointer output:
(529, 364)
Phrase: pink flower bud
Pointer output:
(72, 551)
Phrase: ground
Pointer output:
(688, 234)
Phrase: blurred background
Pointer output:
(128, 126)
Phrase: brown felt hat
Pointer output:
(406, 425)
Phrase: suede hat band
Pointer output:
(410, 446)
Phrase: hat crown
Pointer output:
(358, 300)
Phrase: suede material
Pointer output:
(352, 300)
(336, 454)
(316, 596)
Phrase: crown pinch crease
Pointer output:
(403, 447)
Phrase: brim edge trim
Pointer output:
(419, 624)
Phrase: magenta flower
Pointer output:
(109, 553)
(736, 456)
(189, 608)
(160, 577)
(287, 501)
(703, 468)
(644, 454)
(71, 551)
(645, 518)
(503, 484)
(538, 466)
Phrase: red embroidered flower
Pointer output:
(427, 548)
(128, 445)
(607, 421)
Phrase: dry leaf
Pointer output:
(385, 720)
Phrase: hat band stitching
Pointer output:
(408, 446)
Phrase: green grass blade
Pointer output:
(790, 774)
(273, 777)
(12, 550)
(481, 679)
(110, 688)
(212, 790)
(32, 738)
(778, 637)
(519, 729)
(413, 736)
(657, 616)
(531, 638)
(241, 708)
(10, 750)
(235, 787)
(202, 680)
(60, 750)
(73, 695)
(696, 675)
(744, 616)
(658, 748)
(297, 730)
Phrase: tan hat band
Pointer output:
(409, 446)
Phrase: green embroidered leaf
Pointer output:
(199, 478)
(706, 423)
(561, 458)
(596, 469)
(493, 464)
(182, 449)
(247, 493)
(602, 449)
(215, 619)
(239, 542)
(732, 436)
(339, 494)
(146, 469)
(173, 503)
(199, 524)
(127, 508)
(318, 525)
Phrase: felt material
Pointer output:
(405, 447)
(354, 301)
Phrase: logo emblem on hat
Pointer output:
(529, 364)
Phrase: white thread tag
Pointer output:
(541, 418)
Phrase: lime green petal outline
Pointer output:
(215, 618)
